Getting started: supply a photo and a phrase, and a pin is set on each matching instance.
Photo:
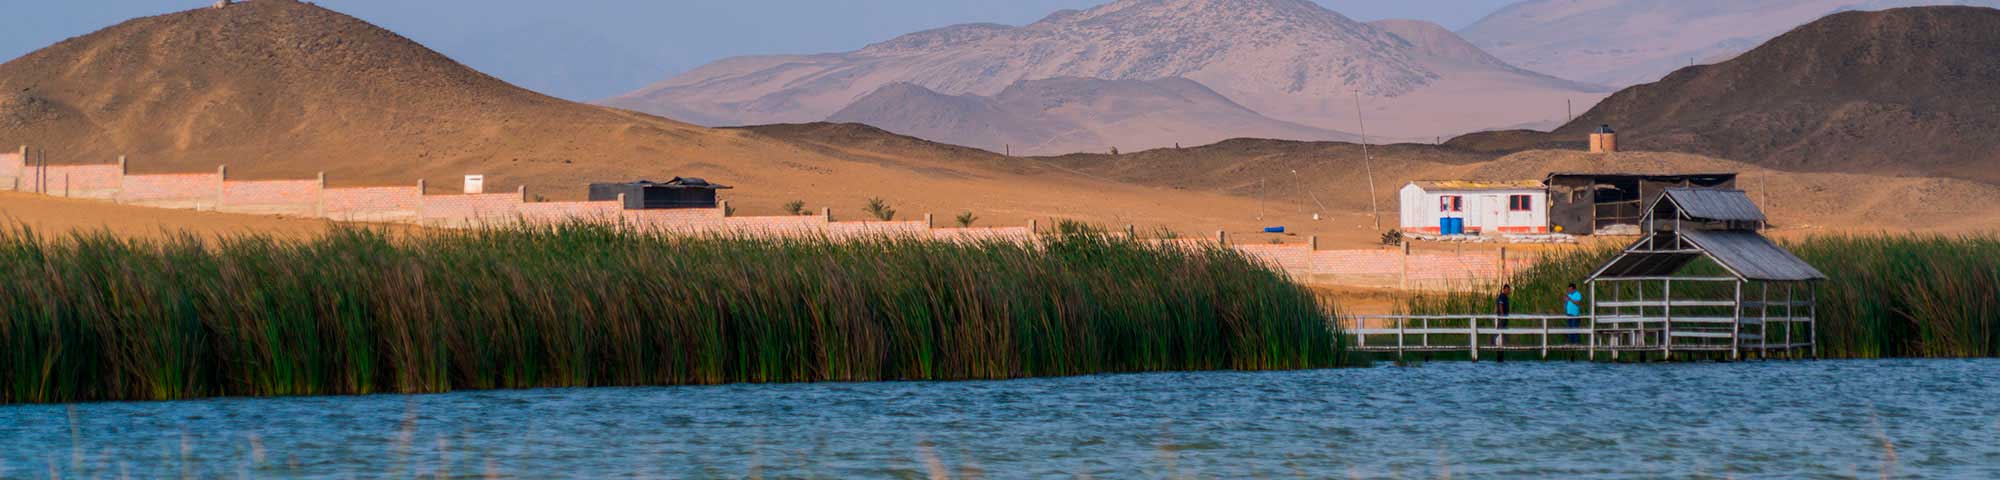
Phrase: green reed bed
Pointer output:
(1888, 296)
(94, 317)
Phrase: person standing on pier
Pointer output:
(1573, 307)
(1503, 306)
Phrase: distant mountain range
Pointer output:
(1628, 42)
(1069, 114)
(1292, 61)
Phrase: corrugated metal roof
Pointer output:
(1468, 185)
(1752, 256)
(1715, 205)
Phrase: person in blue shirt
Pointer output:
(1573, 306)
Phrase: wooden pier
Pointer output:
(1745, 294)
(1610, 336)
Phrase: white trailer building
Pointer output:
(1451, 207)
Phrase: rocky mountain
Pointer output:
(1069, 114)
(1628, 42)
(1290, 60)
(1913, 91)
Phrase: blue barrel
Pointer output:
(1444, 226)
(1457, 226)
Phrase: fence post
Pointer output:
(1222, 237)
(1034, 225)
(930, 221)
(826, 213)
(1593, 320)
(122, 171)
(1667, 320)
(1406, 266)
(1736, 326)
(1545, 328)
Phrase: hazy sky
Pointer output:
(591, 49)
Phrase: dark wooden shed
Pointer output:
(1587, 203)
(681, 192)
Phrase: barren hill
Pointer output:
(1628, 42)
(1064, 115)
(285, 89)
(1290, 60)
(1912, 91)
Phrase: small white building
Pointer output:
(1475, 208)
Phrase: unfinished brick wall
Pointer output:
(194, 191)
(470, 210)
(556, 213)
(285, 197)
(371, 204)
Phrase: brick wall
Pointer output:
(289, 197)
(802, 226)
(371, 204)
(470, 210)
(674, 219)
(195, 190)
(555, 213)
(11, 165)
(855, 230)
(75, 181)
(1295, 258)
(983, 234)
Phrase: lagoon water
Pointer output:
(1897, 418)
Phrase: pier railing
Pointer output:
(1490, 334)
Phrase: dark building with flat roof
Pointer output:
(681, 192)
(1587, 203)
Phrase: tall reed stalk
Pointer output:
(95, 317)
(1887, 296)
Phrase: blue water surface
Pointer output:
(1895, 418)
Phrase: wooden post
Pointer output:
(1545, 330)
(1131, 232)
(826, 213)
(1667, 321)
(1474, 321)
(930, 221)
(1593, 320)
(1034, 225)
(722, 207)
(1736, 326)
(1222, 237)
(1312, 243)
(1812, 320)
(523, 190)
(1764, 317)
(1402, 324)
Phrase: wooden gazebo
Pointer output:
(1747, 293)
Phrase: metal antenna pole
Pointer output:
(1367, 160)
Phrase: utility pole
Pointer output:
(1367, 160)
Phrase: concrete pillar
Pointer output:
(621, 201)
(221, 184)
(121, 166)
(1312, 243)
(1222, 237)
(929, 221)
(423, 188)
(723, 207)
(826, 213)
(319, 197)
(523, 190)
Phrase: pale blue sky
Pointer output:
(590, 49)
